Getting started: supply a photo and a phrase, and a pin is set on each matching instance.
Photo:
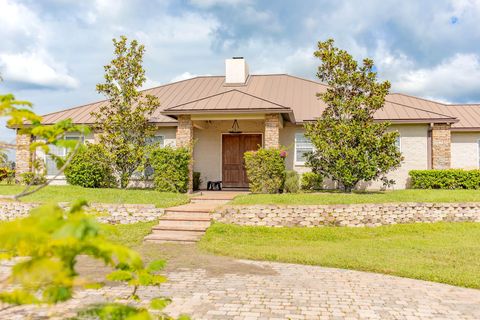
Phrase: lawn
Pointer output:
(441, 252)
(409, 195)
(71, 193)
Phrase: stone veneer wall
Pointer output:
(356, 215)
(441, 146)
(184, 138)
(106, 212)
(272, 130)
(23, 162)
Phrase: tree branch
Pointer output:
(26, 191)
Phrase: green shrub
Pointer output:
(3, 173)
(265, 170)
(445, 179)
(292, 182)
(170, 167)
(196, 181)
(311, 181)
(90, 168)
(32, 178)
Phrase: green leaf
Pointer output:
(120, 275)
(159, 303)
(18, 297)
(156, 265)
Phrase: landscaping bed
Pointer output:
(440, 252)
(98, 195)
(409, 195)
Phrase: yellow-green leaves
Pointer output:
(50, 240)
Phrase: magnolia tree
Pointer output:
(123, 122)
(349, 145)
(46, 244)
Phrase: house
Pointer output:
(228, 115)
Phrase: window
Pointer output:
(398, 143)
(302, 146)
(148, 170)
(157, 139)
(50, 163)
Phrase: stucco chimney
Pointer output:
(236, 71)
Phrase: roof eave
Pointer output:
(222, 111)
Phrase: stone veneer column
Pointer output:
(441, 142)
(272, 130)
(23, 155)
(184, 138)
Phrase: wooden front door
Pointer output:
(234, 146)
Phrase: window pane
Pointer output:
(302, 146)
(50, 163)
(156, 139)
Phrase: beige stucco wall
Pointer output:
(207, 152)
(413, 144)
(465, 153)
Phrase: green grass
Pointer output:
(130, 235)
(72, 193)
(410, 195)
(441, 252)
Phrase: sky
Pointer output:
(52, 52)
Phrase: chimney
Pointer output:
(236, 71)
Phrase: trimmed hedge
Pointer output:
(445, 179)
(265, 170)
(170, 167)
(311, 181)
(90, 168)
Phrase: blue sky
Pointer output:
(52, 52)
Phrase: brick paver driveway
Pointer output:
(285, 291)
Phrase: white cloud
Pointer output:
(211, 3)
(454, 77)
(150, 83)
(185, 76)
(35, 69)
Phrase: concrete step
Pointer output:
(186, 225)
(212, 201)
(174, 235)
(186, 216)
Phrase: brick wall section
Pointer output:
(106, 212)
(272, 130)
(357, 215)
(23, 162)
(185, 139)
(441, 146)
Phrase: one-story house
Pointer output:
(228, 115)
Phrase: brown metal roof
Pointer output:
(275, 93)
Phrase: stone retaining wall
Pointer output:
(106, 212)
(356, 215)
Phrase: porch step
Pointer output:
(185, 225)
(185, 216)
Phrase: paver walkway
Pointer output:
(282, 291)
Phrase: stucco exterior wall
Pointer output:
(413, 144)
(465, 152)
(207, 152)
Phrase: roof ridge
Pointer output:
(225, 92)
(420, 98)
(415, 108)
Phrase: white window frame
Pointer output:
(64, 153)
(399, 142)
(299, 162)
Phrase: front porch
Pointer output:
(218, 146)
